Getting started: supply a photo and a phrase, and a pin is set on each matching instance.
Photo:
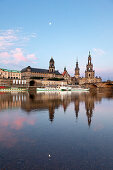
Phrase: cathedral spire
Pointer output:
(89, 54)
(77, 63)
(89, 58)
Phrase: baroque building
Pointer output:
(38, 73)
(89, 74)
(43, 77)
(9, 74)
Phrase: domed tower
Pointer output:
(51, 65)
(89, 73)
(77, 70)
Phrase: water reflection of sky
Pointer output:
(75, 129)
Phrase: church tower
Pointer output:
(89, 73)
(51, 65)
(77, 70)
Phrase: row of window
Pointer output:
(40, 75)
(19, 81)
(36, 74)
(10, 77)
(51, 83)
(11, 74)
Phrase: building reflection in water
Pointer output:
(51, 101)
(77, 105)
(51, 113)
(89, 105)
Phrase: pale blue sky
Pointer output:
(31, 31)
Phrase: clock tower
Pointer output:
(51, 65)
(89, 73)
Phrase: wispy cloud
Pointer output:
(11, 46)
(98, 52)
(8, 38)
(12, 38)
(16, 56)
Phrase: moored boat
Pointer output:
(63, 88)
(59, 88)
(80, 89)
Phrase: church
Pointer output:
(89, 74)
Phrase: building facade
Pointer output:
(10, 74)
(38, 73)
(89, 74)
(11, 78)
(43, 77)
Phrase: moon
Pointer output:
(50, 23)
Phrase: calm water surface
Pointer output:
(56, 131)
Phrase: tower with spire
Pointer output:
(51, 65)
(77, 70)
(89, 73)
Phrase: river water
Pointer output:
(56, 131)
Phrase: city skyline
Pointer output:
(33, 31)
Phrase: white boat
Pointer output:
(63, 88)
(47, 89)
(59, 88)
(80, 89)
